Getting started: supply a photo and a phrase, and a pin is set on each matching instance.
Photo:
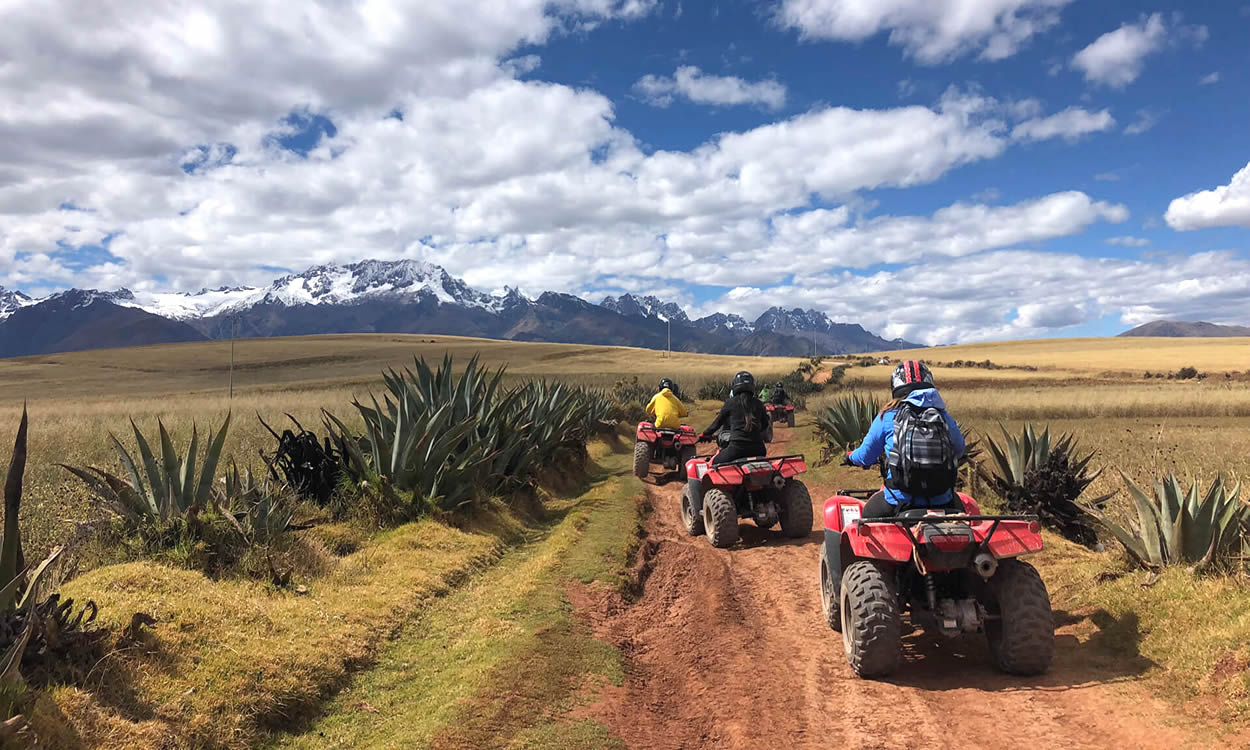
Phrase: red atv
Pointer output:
(672, 448)
(762, 489)
(952, 574)
(780, 412)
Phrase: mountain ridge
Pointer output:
(1186, 329)
(408, 296)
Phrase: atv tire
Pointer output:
(642, 459)
(871, 627)
(720, 518)
(794, 507)
(1022, 637)
(790, 419)
(692, 522)
(830, 602)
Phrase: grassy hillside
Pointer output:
(346, 361)
(1092, 356)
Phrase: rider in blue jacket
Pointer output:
(912, 382)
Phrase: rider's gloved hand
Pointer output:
(705, 438)
(846, 460)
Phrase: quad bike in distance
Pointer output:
(763, 489)
(953, 574)
(670, 448)
(780, 412)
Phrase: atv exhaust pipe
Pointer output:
(985, 564)
(779, 481)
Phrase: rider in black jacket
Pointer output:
(779, 396)
(746, 420)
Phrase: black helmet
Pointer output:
(743, 382)
(781, 384)
(667, 383)
(909, 376)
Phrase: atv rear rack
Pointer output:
(905, 522)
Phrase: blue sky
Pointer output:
(944, 170)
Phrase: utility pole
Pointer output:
(670, 337)
(233, 322)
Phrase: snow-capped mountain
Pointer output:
(402, 297)
(796, 319)
(11, 301)
(329, 284)
(645, 307)
(730, 322)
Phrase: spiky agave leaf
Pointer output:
(1175, 527)
(11, 547)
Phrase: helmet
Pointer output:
(781, 384)
(909, 376)
(667, 383)
(743, 382)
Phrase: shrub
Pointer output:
(845, 423)
(173, 491)
(1175, 527)
(1186, 373)
(713, 390)
(452, 441)
(310, 466)
(1036, 475)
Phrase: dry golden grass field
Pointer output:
(1194, 427)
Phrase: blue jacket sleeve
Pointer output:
(874, 443)
(957, 436)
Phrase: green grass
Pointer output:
(499, 663)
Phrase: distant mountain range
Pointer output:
(1183, 329)
(404, 297)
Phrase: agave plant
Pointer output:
(25, 627)
(1182, 527)
(309, 466)
(452, 437)
(173, 490)
(844, 425)
(1036, 474)
(256, 509)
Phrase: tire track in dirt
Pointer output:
(728, 649)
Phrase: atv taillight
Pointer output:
(1035, 527)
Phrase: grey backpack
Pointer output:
(922, 461)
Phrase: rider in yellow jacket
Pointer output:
(665, 409)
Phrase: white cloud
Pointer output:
(1226, 205)
(701, 88)
(931, 31)
(1010, 294)
(1107, 177)
(1146, 119)
(1118, 57)
(440, 153)
(1209, 79)
(1070, 124)
(818, 240)
(1127, 241)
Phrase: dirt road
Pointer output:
(728, 649)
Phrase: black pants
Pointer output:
(878, 507)
(735, 451)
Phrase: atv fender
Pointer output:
(833, 556)
(696, 496)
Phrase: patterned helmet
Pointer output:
(909, 376)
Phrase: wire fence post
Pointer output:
(233, 323)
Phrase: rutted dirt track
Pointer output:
(728, 649)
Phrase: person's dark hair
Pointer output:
(748, 401)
